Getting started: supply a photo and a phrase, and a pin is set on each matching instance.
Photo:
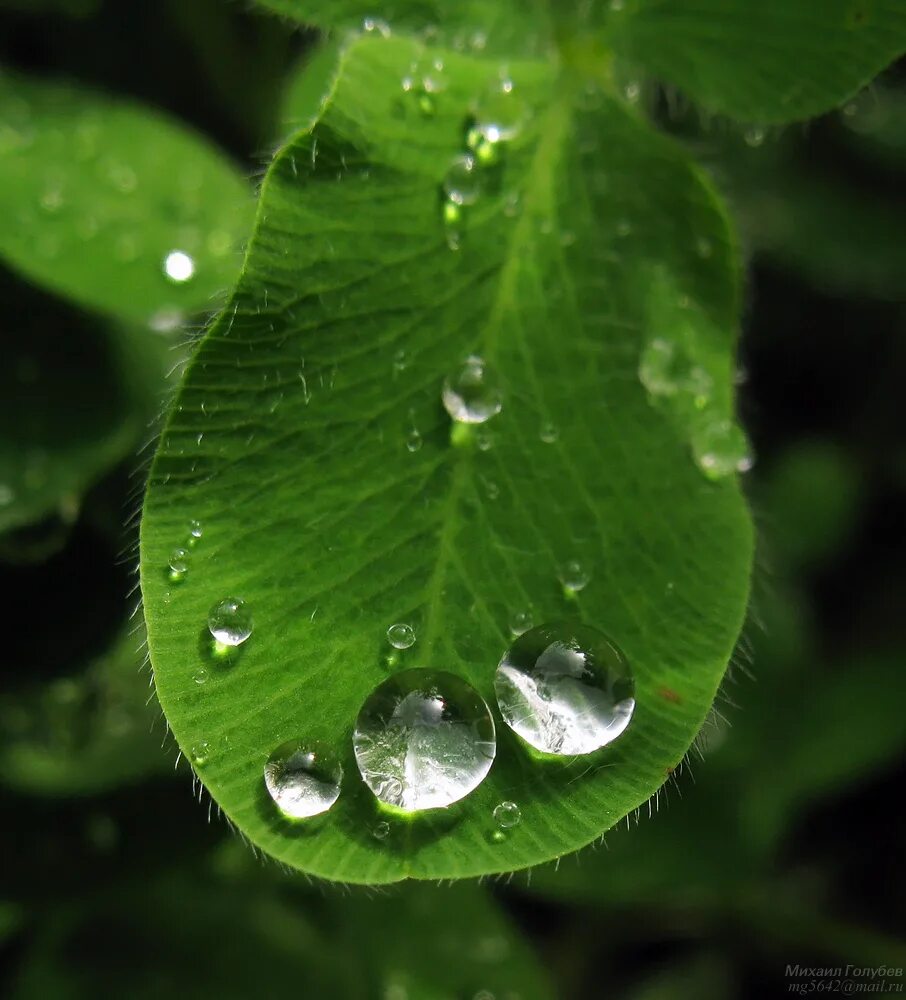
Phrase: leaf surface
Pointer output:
(291, 442)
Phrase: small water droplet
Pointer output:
(549, 433)
(413, 440)
(507, 815)
(665, 371)
(179, 266)
(199, 753)
(565, 689)
(632, 91)
(230, 621)
(462, 183)
(381, 830)
(302, 779)
(195, 533)
(484, 440)
(201, 676)
(520, 621)
(423, 740)
(500, 115)
(400, 362)
(491, 489)
(375, 25)
(754, 136)
(573, 575)
(471, 394)
(401, 636)
(720, 449)
(179, 564)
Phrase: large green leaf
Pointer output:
(765, 61)
(288, 441)
(98, 195)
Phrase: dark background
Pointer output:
(786, 843)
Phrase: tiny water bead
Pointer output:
(230, 622)
(520, 621)
(423, 740)
(507, 815)
(179, 266)
(471, 394)
(199, 753)
(303, 779)
(179, 564)
(401, 636)
(462, 182)
(574, 576)
(720, 448)
(565, 688)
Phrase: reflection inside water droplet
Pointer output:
(302, 779)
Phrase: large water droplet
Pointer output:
(720, 449)
(565, 689)
(303, 779)
(230, 621)
(462, 183)
(401, 636)
(472, 394)
(423, 740)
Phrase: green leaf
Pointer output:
(764, 61)
(97, 194)
(288, 441)
(70, 406)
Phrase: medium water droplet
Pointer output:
(401, 636)
(199, 753)
(462, 183)
(179, 266)
(573, 575)
(303, 779)
(230, 622)
(520, 621)
(720, 449)
(179, 564)
(195, 532)
(565, 689)
(381, 830)
(507, 815)
(549, 433)
(471, 395)
(201, 676)
(423, 740)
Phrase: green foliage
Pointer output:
(289, 443)
(97, 193)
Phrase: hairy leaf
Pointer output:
(291, 441)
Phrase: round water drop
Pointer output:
(565, 689)
(179, 564)
(380, 831)
(471, 394)
(484, 440)
(413, 440)
(230, 622)
(401, 636)
(507, 815)
(720, 449)
(179, 266)
(201, 676)
(200, 753)
(423, 740)
(574, 576)
(549, 433)
(195, 533)
(754, 136)
(462, 183)
(303, 779)
(520, 621)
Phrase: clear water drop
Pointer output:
(381, 830)
(549, 433)
(375, 25)
(573, 575)
(230, 621)
(665, 370)
(720, 448)
(484, 440)
(500, 115)
(423, 740)
(462, 182)
(179, 564)
(471, 394)
(303, 779)
(401, 636)
(632, 91)
(195, 533)
(520, 621)
(565, 689)
(413, 441)
(201, 676)
(179, 266)
(199, 753)
(507, 815)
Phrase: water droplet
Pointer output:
(520, 621)
(401, 636)
(573, 575)
(720, 449)
(375, 25)
(413, 440)
(549, 433)
(179, 266)
(565, 689)
(230, 622)
(500, 115)
(484, 440)
(507, 815)
(381, 830)
(471, 395)
(754, 136)
(195, 533)
(303, 779)
(632, 91)
(201, 676)
(423, 740)
(462, 183)
(400, 362)
(665, 370)
(424, 81)
(179, 564)
(491, 489)
(199, 753)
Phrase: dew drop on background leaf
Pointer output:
(472, 395)
(401, 636)
(230, 621)
(302, 779)
(423, 740)
(463, 181)
(574, 576)
(565, 689)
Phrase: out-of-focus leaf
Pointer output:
(116, 206)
